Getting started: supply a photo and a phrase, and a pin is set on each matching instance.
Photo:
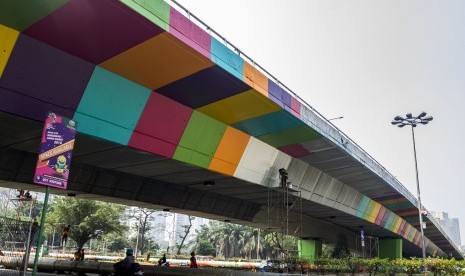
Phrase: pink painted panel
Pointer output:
(151, 144)
(189, 33)
(295, 105)
(295, 150)
(162, 119)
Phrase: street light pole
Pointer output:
(420, 216)
(413, 122)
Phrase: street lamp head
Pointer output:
(395, 122)
(398, 118)
(409, 115)
(429, 118)
(423, 114)
(401, 125)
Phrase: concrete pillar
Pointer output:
(390, 248)
(310, 249)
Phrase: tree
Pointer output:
(144, 226)
(341, 250)
(183, 236)
(205, 247)
(89, 219)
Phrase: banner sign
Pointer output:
(56, 149)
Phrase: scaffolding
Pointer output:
(284, 216)
(367, 247)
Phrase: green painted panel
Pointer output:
(390, 248)
(192, 157)
(369, 209)
(157, 11)
(310, 249)
(290, 136)
(200, 140)
(20, 14)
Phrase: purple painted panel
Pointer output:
(295, 150)
(286, 98)
(93, 30)
(204, 87)
(26, 106)
(46, 75)
(189, 33)
(275, 91)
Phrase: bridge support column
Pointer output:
(310, 249)
(390, 248)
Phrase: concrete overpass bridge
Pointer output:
(172, 117)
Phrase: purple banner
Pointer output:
(56, 149)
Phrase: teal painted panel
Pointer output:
(102, 129)
(156, 11)
(113, 99)
(200, 140)
(227, 59)
(362, 206)
(290, 136)
(269, 123)
(399, 205)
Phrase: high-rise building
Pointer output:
(449, 225)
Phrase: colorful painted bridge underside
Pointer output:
(141, 75)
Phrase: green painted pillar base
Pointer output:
(390, 248)
(310, 249)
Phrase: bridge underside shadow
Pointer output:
(106, 171)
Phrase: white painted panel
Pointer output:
(311, 177)
(297, 170)
(323, 184)
(334, 189)
(256, 161)
(272, 176)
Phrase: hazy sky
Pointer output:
(368, 61)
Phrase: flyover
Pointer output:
(165, 106)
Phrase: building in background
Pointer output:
(169, 229)
(450, 225)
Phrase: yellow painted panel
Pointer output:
(374, 212)
(398, 223)
(240, 107)
(255, 79)
(8, 39)
(157, 61)
(229, 151)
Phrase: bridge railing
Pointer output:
(318, 121)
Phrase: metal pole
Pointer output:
(41, 230)
(419, 203)
(28, 242)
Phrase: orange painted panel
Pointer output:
(255, 79)
(374, 212)
(229, 151)
(157, 61)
